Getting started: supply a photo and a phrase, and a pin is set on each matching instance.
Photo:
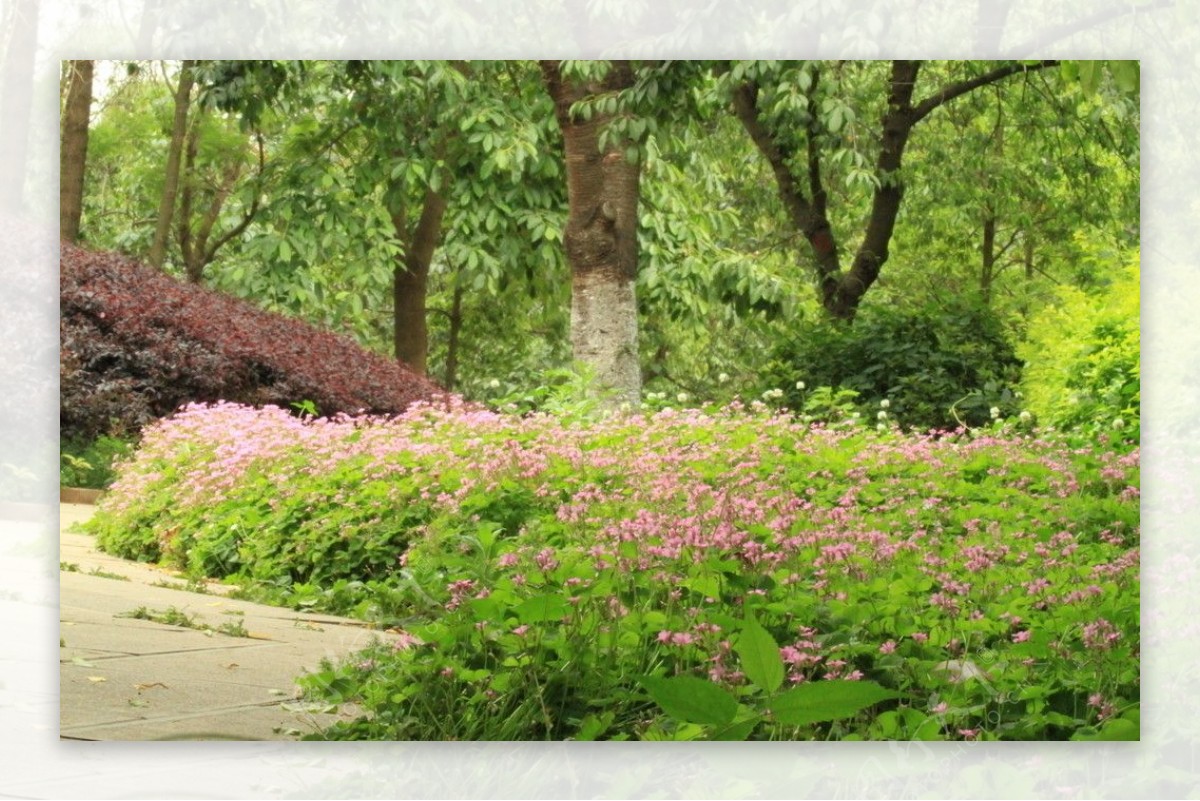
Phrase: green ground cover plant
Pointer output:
(726, 573)
(91, 464)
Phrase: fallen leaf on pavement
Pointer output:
(149, 685)
(97, 678)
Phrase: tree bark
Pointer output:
(166, 206)
(898, 121)
(987, 270)
(600, 238)
(410, 280)
(73, 150)
(456, 319)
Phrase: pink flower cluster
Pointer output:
(657, 496)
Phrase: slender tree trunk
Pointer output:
(1027, 261)
(166, 206)
(600, 238)
(456, 319)
(73, 150)
(988, 266)
(196, 244)
(410, 280)
(872, 253)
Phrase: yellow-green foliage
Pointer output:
(1083, 367)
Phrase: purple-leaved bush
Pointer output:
(136, 344)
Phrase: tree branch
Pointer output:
(745, 105)
(250, 213)
(815, 186)
(951, 91)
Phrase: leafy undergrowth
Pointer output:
(720, 574)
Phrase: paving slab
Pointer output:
(124, 678)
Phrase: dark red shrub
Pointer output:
(135, 344)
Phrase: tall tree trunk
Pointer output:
(410, 280)
(872, 252)
(600, 238)
(73, 150)
(16, 99)
(987, 269)
(456, 318)
(1027, 262)
(166, 206)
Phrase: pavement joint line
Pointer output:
(188, 651)
(266, 702)
(178, 718)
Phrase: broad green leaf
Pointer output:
(1125, 75)
(1114, 730)
(760, 658)
(542, 608)
(737, 732)
(691, 700)
(827, 700)
(1089, 76)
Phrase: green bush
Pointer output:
(91, 465)
(936, 367)
(1084, 367)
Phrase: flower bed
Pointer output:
(698, 574)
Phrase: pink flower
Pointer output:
(545, 559)
(969, 734)
(920, 636)
(404, 641)
(1022, 636)
(520, 630)
(888, 647)
(1100, 635)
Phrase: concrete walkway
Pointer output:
(123, 678)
